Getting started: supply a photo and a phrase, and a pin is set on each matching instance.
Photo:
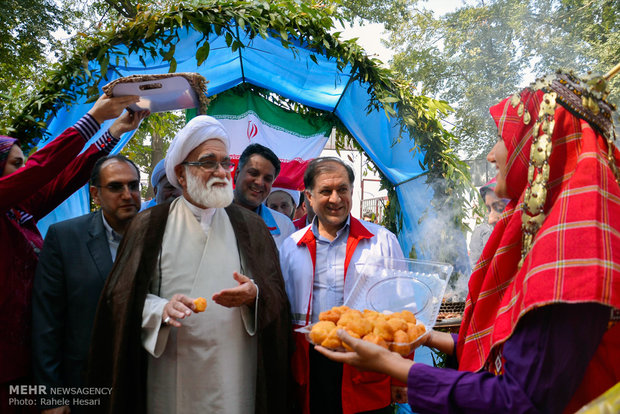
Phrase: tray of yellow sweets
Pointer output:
(397, 331)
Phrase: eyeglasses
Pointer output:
(211, 165)
(116, 187)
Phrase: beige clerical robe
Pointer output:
(208, 365)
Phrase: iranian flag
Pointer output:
(294, 138)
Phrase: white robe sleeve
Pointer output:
(154, 333)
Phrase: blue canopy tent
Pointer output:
(297, 73)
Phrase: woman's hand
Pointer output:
(369, 357)
(442, 341)
(128, 121)
(109, 108)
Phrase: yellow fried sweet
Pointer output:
(383, 329)
(371, 315)
(341, 309)
(348, 316)
(359, 325)
(401, 343)
(408, 316)
(333, 314)
(332, 341)
(329, 315)
(412, 332)
(401, 337)
(397, 324)
(321, 330)
(396, 331)
(201, 304)
(376, 339)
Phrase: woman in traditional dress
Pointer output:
(540, 331)
(26, 195)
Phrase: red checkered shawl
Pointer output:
(575, 257)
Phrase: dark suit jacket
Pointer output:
(73, 266)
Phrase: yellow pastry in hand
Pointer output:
(201, 304)
(332, 341)
(400, 343)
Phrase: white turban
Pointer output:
(293, 193)
(198, 130)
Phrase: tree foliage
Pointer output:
(35, 38)
(485, 51)
(27, 27)
(154, 33)
(150, 143)
(26, 41)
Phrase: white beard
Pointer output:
(206, 194)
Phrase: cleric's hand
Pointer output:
(178, 307)
(244, 294)
(128, 121)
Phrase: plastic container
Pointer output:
(388, 285)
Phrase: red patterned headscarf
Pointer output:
(6, 143)
(575, 256)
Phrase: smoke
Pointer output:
(440, 236)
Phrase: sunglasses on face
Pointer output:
(116, 187)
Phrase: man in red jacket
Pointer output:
(318, 265)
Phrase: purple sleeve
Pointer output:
(545, 359)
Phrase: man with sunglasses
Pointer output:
(494, 206)
(76, 258)
(150, 342)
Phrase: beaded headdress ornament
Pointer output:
(586, 98)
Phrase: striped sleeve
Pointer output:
(87, 126)
(106, 142)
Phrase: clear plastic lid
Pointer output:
(392, 285)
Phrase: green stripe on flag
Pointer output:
(230, 105)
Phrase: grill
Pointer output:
(450, 314)
(452, 307)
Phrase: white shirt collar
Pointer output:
(343, 229)
(111, 234)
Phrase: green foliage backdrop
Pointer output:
(154, 33)
(486, 50)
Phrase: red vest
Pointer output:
(361, 391)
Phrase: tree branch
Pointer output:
(124, 7)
